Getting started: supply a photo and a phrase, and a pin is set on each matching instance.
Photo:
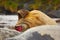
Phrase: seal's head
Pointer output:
(21, 25)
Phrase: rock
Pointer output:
(55, 14)
(7, 33)
(46, 32)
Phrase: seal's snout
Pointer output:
(19, 28)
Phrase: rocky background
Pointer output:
(8, 20)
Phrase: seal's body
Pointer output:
(34, 18)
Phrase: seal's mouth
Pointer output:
(22, 27)
(19, 28)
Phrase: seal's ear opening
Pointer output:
(22, 13)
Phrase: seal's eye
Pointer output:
(19, 28)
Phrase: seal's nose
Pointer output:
(19, 28)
